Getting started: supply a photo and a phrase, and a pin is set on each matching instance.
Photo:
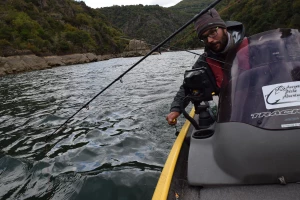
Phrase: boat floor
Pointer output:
(180, 187)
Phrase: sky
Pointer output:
(107, 3)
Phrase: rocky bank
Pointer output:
(24, 63)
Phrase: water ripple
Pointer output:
(115, 149)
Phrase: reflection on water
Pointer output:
(115, 149)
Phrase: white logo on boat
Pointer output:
(282, 95)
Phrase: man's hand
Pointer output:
(172, 118)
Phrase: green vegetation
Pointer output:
(55, 27)
(154, 24)
(47, 27)
(191, 7)
(262, 15)
(151, 23)
(256, 15)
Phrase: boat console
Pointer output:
(255, 137)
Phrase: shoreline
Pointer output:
(26, 63)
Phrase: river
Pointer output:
(114, 149)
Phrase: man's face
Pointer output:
(215, 39)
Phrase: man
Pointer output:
(219, 37)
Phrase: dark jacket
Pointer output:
(236, 29)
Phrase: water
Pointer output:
(114, 149)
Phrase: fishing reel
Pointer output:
(200, 86)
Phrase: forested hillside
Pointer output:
(262, 15)
(47, 27)
(191, 7)
(151, 23)
(256, 15)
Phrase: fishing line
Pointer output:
(180, 49)
(204, 55)
(170, 46)
(61, 127)
(226, 8)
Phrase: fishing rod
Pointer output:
(63, 126)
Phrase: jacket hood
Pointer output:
(236, 29)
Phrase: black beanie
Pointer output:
(207, 21)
